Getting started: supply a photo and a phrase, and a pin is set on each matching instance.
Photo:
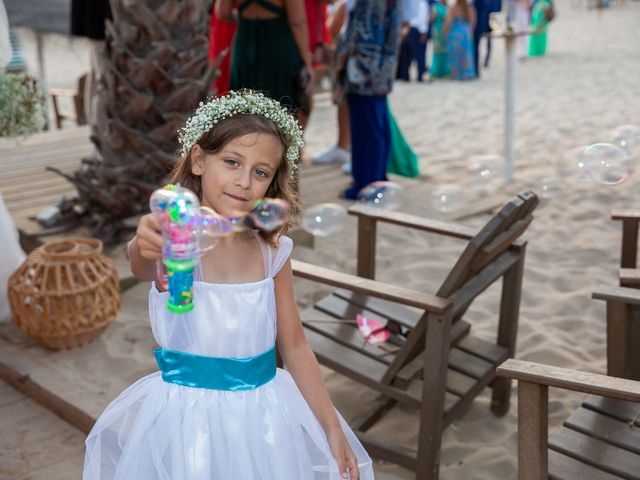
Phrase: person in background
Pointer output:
(522, 25)
(482, 8)
(541, 13)
(439, 63)
(221, 35)
(458, 28)
(271, 51)
(414, 43)
(366, 56)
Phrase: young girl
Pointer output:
(458, 30)
(219, 408)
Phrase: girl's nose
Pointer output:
(243, 178)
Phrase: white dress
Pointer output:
(158, 430)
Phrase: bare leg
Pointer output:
(344, 132)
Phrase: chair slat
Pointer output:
(562, 467)
(596, 453)
(620, 409)
(605, 428)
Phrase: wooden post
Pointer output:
(510, 88)
(434, 383)
(366, 247)
(508, 329)
(628, 258)
(618, 340)
(533, 419)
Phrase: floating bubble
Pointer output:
(447, 198)
(324, 219)
(606, 163)
(486, 171)
(549, 187)
(382, 195)
(211, 228)
(269, 214)
(627, 137)
(571, 164)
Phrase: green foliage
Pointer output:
(21, 102)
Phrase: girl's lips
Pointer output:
(240, 199)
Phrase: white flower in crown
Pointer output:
(243, 102)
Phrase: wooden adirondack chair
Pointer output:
(629, 273)
(431, 362)
(601, 439)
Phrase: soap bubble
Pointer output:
(381, 195)
(549, 187)
(269, 214)
(211, 228)
(486, 171)
(571, 164)
(324, 219)
(606, 163)
(447, 198)
(627, 137)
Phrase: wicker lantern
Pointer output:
(65, 293)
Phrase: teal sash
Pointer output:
(216, 373)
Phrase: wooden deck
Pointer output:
(27, 187)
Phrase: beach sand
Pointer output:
(588, 84)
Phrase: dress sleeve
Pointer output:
(280, 255)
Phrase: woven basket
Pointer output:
(65, 293)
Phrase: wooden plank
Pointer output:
(625, 214)
(617, 294)
(562, 467)
(366, 256)
(627, 412)
(619, 345)
(469, 364)
(500, 244)
(480, 348)
(533, 419)
(404, 315)
(606, 429)
(65, 410)
(557, 377)
(366, 286)
(629, 277)
(596, 453)
(629, 248)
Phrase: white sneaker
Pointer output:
(346, 168)
(334, 155)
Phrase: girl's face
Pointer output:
(236, 177)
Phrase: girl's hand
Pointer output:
(149, 237)
(341, 450)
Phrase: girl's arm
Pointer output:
(474, 17)
(336, 20)
(297, 19)
(303, 366)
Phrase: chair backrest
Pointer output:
(492, 240)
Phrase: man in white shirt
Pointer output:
(414, 42)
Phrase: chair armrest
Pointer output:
(424, 301)
(625, 215)
(413, 221)
(591, 383)
(617, 294)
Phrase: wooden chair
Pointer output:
(601, 439)
(78, 98)
(431, 362)
(629, 273)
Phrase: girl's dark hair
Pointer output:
(214, 141)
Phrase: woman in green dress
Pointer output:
(539, 22)
(271, 49)
(439, 63)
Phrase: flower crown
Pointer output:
(238, 103)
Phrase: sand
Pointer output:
(588, 84)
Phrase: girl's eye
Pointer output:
(262, 173)
(231, 162)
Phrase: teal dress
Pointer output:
(439, 63)
(265, 56)
(538, 40)
(460, 50)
